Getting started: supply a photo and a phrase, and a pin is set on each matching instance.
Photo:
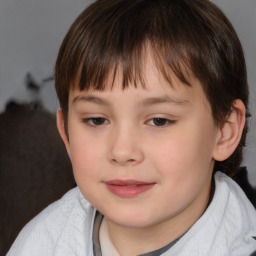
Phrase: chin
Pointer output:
(132, 220)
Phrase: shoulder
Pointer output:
(236, 216)
(56, 227)
(235, 200)
(226, 228)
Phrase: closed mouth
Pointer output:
(128, 188)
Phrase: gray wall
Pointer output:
(32, 30)
(30, 34)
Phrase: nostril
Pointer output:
(123, 161)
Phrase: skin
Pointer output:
(163, 135)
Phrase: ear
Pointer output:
(230, 133)
(62, 130)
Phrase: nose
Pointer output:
(125, 148)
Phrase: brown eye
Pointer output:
(159, 121)
(95, 121)
(98, 121)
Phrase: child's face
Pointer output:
(143, 156)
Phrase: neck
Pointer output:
(134, 241)
(131, 241)
(138, 240)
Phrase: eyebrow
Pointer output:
(146, 102)
(164, 99)
(90, 98)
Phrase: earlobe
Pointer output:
(230, 133)
(62, 130)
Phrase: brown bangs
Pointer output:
(188, 38)
(118, 38)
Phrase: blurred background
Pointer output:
(31, 32)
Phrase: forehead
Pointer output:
(132, 70)
(151, 87)
(138, 73)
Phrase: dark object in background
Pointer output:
(34, 167)
(253, 254)
(242, 179)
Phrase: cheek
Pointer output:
(175, 154)
(186, 156)
(182, 171)
(85, 153)
(86, 169)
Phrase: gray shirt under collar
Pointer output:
(96, 241)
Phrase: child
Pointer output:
(153, 98)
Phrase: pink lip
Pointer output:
(128, 188)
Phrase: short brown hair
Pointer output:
(184, 35)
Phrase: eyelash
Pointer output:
(91, 121)
(166, 122)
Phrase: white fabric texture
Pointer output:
(226, 228)
(65, 228)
